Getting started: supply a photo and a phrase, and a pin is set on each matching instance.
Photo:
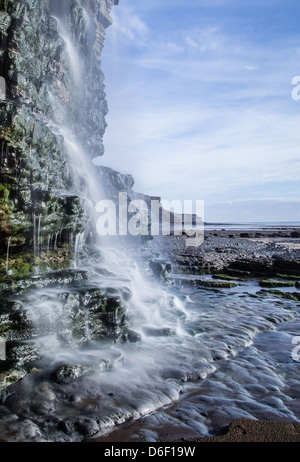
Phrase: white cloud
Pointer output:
(129, 26)
(191, 43)
(250, 68)
(202, 112)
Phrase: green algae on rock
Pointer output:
(276, 283)
(295, 296)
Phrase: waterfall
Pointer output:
(48, 244)
(39, 235)
(55, 241)
(146, 304)
(7, 255)
(77, 247)
(36, 235)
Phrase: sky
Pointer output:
(203, 104)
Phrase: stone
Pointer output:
(205, 283)
(133, 336)
(66, 373)
(10, 377)
(160, 269)
(86, 426)
(158, 331)
(295, 234)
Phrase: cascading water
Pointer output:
(7, 254)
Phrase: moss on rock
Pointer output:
(295, 296)
(10, 377)
(276, 283)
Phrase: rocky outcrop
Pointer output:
(114, 182)
(271, 253)
(42, 204)
(31, 153)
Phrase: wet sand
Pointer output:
(254, 431)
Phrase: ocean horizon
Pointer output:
(251, 225)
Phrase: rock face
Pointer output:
(50, 65)
(42, 203)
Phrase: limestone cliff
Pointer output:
(41, 197)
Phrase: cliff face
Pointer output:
(42, 201)
(52, 121)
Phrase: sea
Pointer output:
(252, 225)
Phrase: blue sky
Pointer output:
(200, 104)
